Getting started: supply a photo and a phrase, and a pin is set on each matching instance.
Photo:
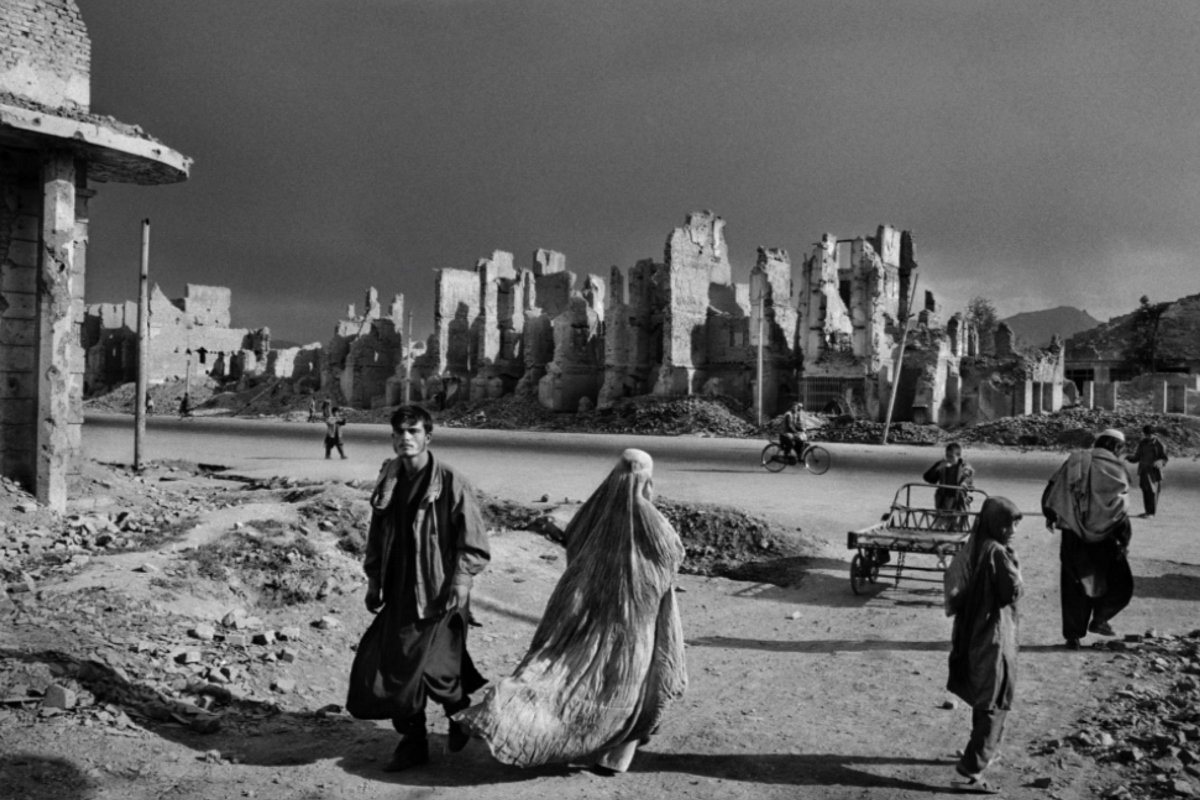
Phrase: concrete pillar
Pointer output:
(1160, 397)
(1023, 399)
(57, 338)
(1054, 393)
(1106, 396)
(1087, 395)
(1177, 399)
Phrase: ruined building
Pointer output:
(831, 333)
(52, 151)
(188, 334)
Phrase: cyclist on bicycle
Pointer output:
(794, 435)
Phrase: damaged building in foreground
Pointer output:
(52, 153)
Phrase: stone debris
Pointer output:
(1150, 728)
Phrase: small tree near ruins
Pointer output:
(981, 312)
(1141, 353)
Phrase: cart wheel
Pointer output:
(857, 573)
(817, 460)
(773, 458)
(874, 576)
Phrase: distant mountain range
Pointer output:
(1036, 328)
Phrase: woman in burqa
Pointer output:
(983, 649)
(607, 658)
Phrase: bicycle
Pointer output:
(816, 459)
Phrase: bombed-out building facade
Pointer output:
(831, 328)
(53, 152)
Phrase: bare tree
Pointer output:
(981, 312)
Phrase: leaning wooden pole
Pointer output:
(139, 435)
(761, 304)
(887, 425)
(408, 377)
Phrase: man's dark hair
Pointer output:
(407, 415)
(1148, 430)
(954, 446)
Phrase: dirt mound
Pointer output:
(647, 415)
(1074, 428)
(863, 431)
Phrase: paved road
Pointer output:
(524, 466)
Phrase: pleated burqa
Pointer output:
(607, 657)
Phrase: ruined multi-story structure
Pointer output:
(190, 334)
(831, 334)
(52, 151)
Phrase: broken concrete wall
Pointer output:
(20, 223)
(456, 306)
(575, 373)
(696, 276)
(45, 53)
(777, 319)
(632, 343)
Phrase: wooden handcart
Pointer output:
(913, 525)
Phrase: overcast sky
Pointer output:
(1043, 153)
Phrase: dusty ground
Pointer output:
(797, 687)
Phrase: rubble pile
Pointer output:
(506, 413)
(1149, 730)
(281, 571)
(867, 432)
(1072, 428)
(132, 664)
(672, 416)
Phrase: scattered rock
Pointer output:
(59, 697)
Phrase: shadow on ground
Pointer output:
(36, 777)
(792, 770)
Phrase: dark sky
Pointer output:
(1043, 153)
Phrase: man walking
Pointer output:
(426, 542)
(1086, 499)
(334, 422)
(1150, 457)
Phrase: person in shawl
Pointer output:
(425, 543)
(607, 657)
(1150, 457)
(983, 646)
(1086, 500)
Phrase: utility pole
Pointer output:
(899, 361)
(408, 363)
(139, 430)
(762, 292)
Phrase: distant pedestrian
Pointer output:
(1086, 499)
(334, 422)
(1151, 457)
(950, 502)
(149, 406)
(185, 407)
(326, 407)
(984, 642)
(312, 408)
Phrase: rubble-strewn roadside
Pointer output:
(1149, 730)
(705, 416)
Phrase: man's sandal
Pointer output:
(974, 786)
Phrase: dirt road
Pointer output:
(801, 690)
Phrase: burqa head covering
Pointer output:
(996, 515)
(621, 512)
